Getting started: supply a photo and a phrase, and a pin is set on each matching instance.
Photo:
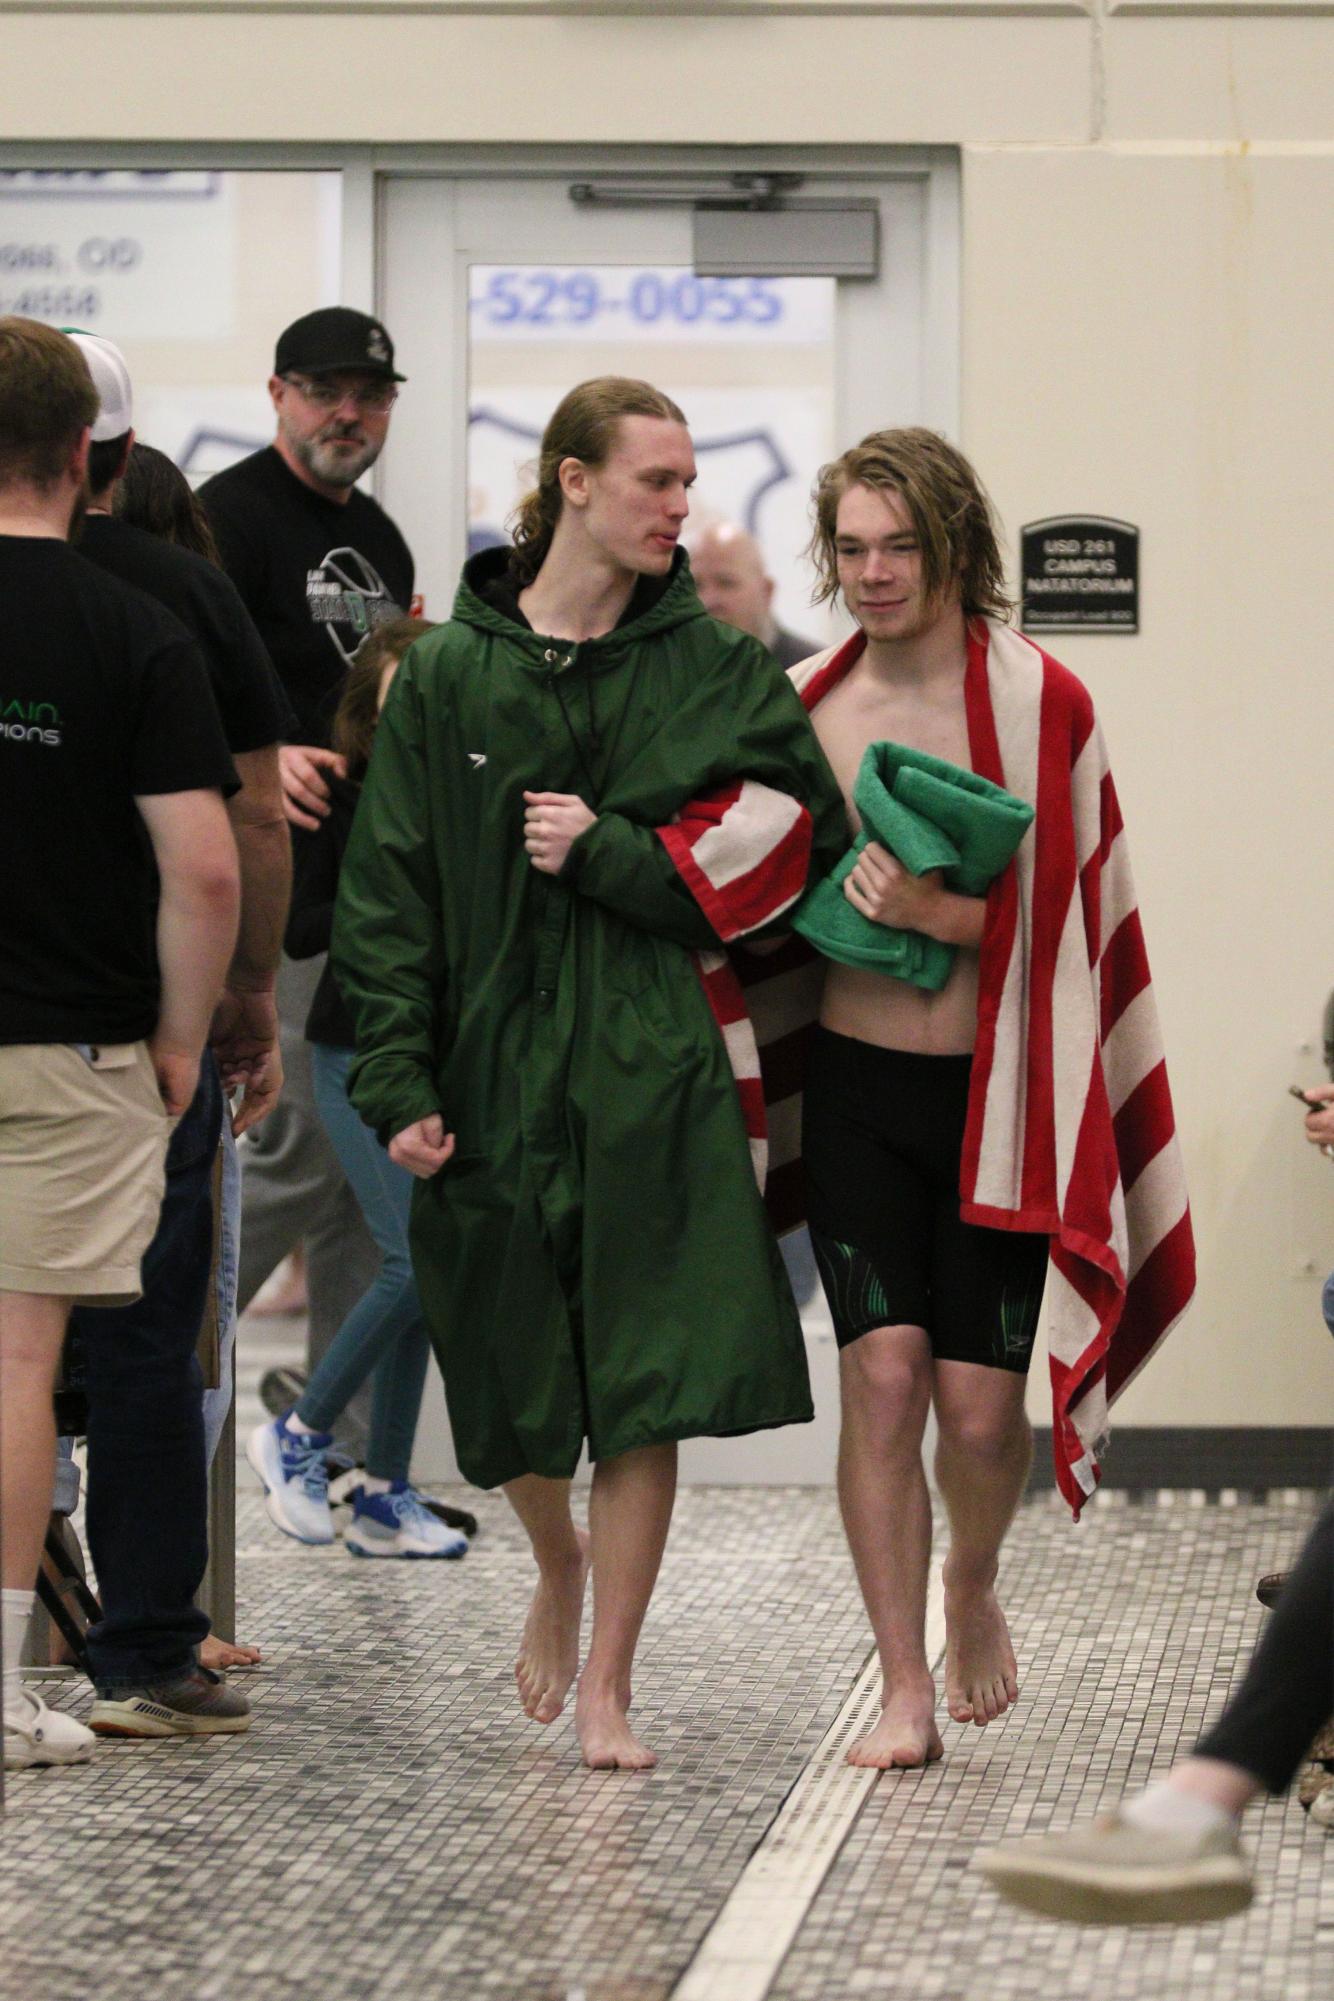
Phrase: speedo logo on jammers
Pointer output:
(30, 722)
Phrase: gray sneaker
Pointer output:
(1113, 1873)
(200, 1704)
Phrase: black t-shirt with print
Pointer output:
(103, 699)
(254, 710)
(316, 575)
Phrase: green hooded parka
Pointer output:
(594, 1262)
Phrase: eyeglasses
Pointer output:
(372, 396)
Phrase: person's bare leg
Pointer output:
(982, 1463)
(549, 1649)
(629, 1514)
(885, 1380)
(1216, 1783)
(32, 1328)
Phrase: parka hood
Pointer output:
(676, 604)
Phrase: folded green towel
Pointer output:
(930, 815)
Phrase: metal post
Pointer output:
(217, 1592)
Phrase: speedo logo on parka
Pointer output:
(30, 722)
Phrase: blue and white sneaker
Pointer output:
(291, 1465)
(399, 1523)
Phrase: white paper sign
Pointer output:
(135, 256)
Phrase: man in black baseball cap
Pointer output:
(333, 387)
(319, 564)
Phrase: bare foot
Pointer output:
(981, 1675)
(219, 1654)
(605, 1737)
(905, 1736)
(549, 1650)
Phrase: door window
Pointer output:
(749, 360)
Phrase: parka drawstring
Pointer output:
(594, 742)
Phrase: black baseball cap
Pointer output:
(333, 339)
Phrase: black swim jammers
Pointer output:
(882, 1140)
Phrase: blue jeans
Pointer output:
(147, 1512)
(385, 1330)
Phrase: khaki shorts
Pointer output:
(83, 1149)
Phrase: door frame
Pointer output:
(418, 285)
(367, 171)
(803, 1455)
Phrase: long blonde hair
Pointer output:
(583, 426)
(949, 509)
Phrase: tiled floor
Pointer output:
(1130, 1629)
(392, 1829)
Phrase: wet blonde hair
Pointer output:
(583, 426)
(948, 505)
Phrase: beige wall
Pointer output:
(1147, 303)
(1145, 336)
(723, 71)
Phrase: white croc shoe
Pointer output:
(36, 1735)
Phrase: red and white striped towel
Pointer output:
(743, 852)
(1070, 1127)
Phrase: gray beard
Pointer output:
(334, 469)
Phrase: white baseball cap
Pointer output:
(111, 379)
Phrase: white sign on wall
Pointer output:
(135, 256)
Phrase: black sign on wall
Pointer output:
(1080, 573)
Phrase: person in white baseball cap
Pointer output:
(111, 380)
